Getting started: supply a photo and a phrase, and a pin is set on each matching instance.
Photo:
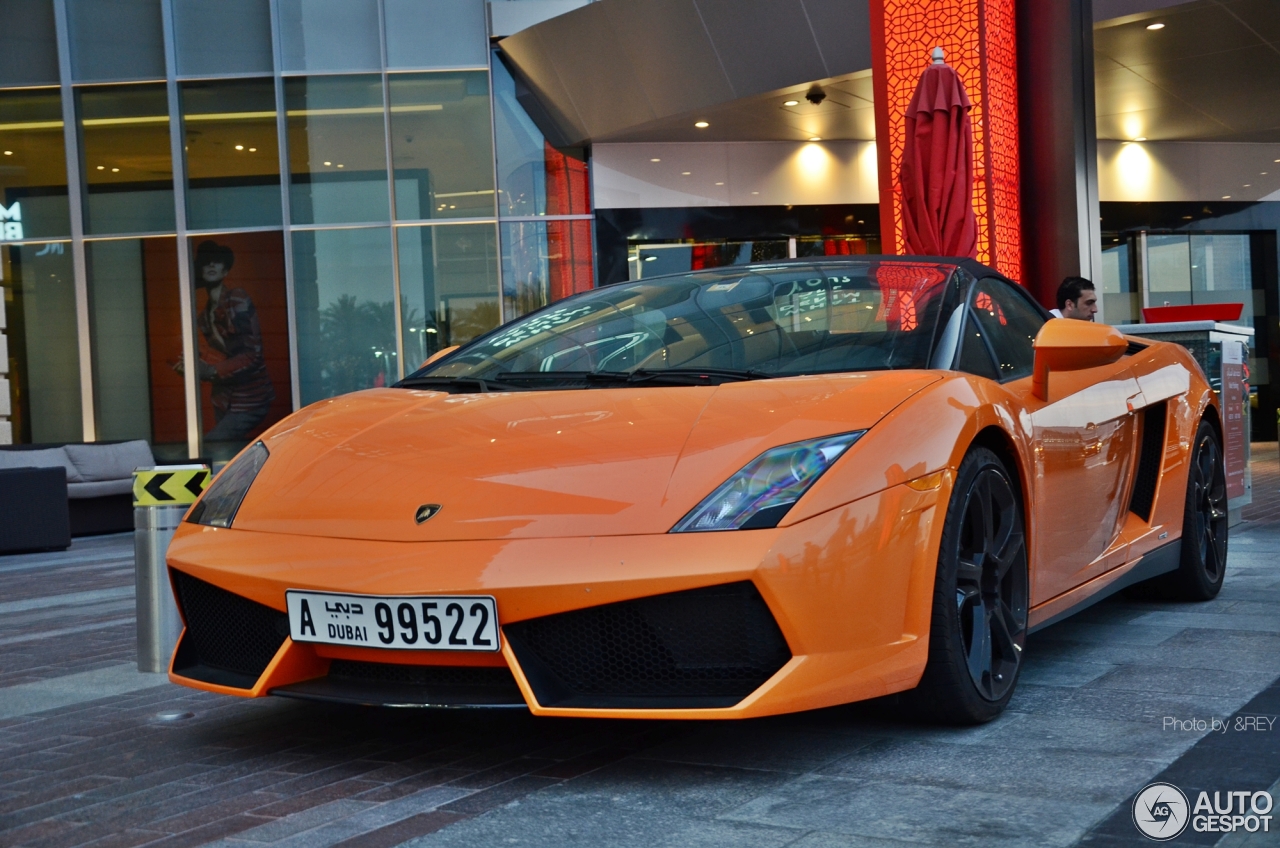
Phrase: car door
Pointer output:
(1084, 437)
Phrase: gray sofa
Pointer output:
(99, 479)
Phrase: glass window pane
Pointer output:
(136, 330)
(233, 163)
(448, 285)
(1169, 270)
(28, 43)
(243, 337)
(442, 145)
(120, 40)
(330, 35)
(33, 166)
(127, 165)
(1222, 272)
(223, 36)
(337, 149)
(344, 299)
(1011, 325)
(533, 177)
(38, 288)
(436, 33)
(544, 262)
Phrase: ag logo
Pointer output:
(425, 512)
(1160, 812)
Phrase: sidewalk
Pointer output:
(93, 753)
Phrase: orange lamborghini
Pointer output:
(734, 492)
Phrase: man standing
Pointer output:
(242, 391)
(1076, 299)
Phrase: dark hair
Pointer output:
(211, 251)
(1071, 289)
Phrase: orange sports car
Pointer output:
(734, 492)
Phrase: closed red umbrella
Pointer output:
(937, 166)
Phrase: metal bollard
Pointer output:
(161, 496)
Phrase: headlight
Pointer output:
(761, 493)
(217, 508)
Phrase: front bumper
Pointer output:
(849, 592)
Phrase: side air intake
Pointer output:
(702, 648)
(229, 639)
(1149, 456)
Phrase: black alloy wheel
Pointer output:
(1203, 562)
(981, 597)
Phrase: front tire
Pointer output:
(980, 600)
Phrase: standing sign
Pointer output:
(1234, 397)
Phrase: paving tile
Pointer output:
(921, 813)
(298, 822)
(402, 831)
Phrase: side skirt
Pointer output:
(1162, 560)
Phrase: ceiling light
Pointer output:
(702, 125)
(102, 167)
(655, 160)
(755, 192)
(253, 150)
(1186, 217)
(328, 164)
(239, 147)
(115, 170)
(1226, 197)
(719, 183)
(1141, 138)
(8, 153)
(1246, 185)
(650, 258)
(791, 103)
(1154, 27)
(815, 138)
(340, 165)
(685, 173)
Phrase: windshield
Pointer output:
(747, 322)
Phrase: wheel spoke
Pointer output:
(979, 655)
(968, 573)
(1009, 554)
(1002, 635)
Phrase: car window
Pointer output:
(1010, 323)
(975, 357)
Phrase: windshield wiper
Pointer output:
(455, 385)
(697, 376)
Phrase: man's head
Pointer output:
(213, 262)
(1077, 299)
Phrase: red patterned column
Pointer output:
(978, 37)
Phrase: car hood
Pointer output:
(505, 465)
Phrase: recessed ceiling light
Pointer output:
(253, 150)
(340, 165)
(327, 164)
(685, 173)
(1141, 138)
(650, 258)
(702, 125)
(1186, 217)
(115, 170)
(755, 192)
(102, 167)
(8, 153)
(655, 160)
(1226, 197)
(719, 183)
(239, 147)
(1246, 185)
(1154, 27)
(815, 138)
(791, 103)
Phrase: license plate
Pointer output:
(419, 623)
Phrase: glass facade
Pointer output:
(319, 184)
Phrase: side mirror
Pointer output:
(439, 354)
(1065, 344)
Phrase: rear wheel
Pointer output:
(979, 624)
(1204, 524)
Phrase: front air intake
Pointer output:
(229, 639)
(701, 648)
